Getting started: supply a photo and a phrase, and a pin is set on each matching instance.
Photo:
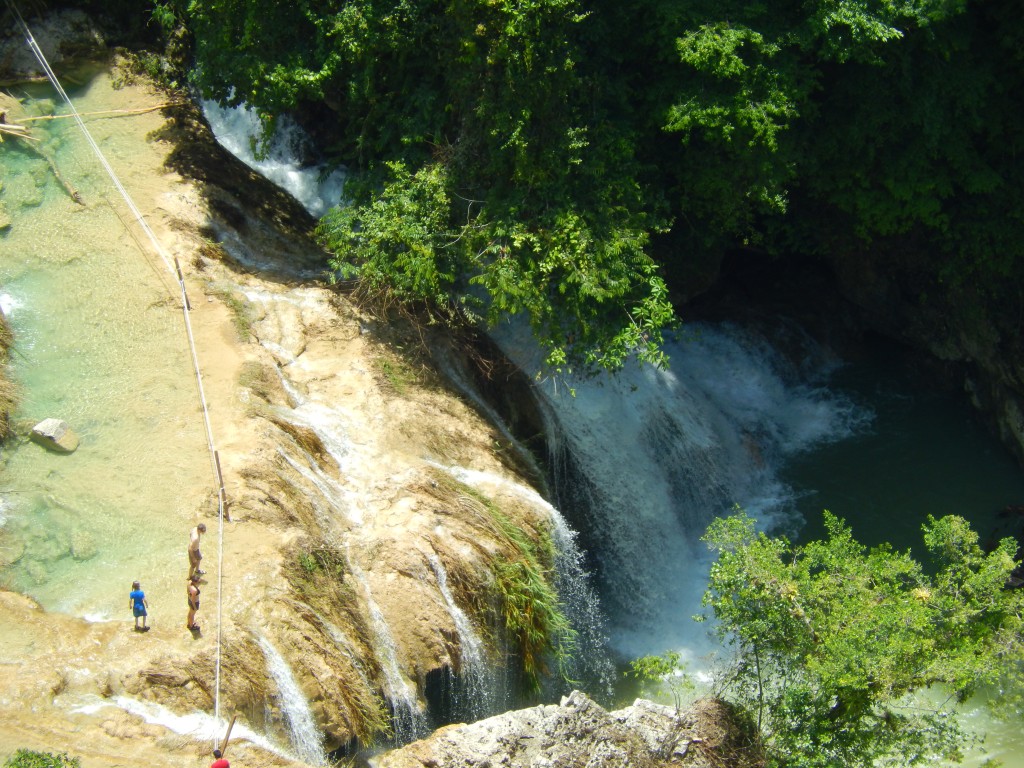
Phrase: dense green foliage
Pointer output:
(571, 161)
(847, 656)
(27, 758)
(667, 671)
(531, 607)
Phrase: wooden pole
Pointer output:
(224, 744)
(103, 113)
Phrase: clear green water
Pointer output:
(923, 453)
(100, 343)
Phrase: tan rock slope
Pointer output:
(334, 437)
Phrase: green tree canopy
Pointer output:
(833, 640)
(587, 152)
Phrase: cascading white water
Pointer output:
(589, 662)
(408, 718)
(238, 129)
(307, 740)
(197, 725)
(477, 694)
(644, 459)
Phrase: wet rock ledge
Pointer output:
(579, 732)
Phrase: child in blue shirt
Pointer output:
(137, 602)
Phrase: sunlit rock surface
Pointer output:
(579, 732)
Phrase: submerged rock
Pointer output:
(83, 546)
(55, 435)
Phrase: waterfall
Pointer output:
(306, 739)
(409, 720)
(579, 602)
(237, 129)
(644, 459)
(477, 694)
(639, 463)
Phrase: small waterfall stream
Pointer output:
(409, 720)
(315, 187)
(476, 695)
(590, 662)
(306, 739)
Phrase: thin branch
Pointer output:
(105, 112)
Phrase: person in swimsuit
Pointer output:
(140, 608)
(193, 602)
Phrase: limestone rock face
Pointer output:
(579, 733)
(55, 435)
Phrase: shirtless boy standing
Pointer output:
(194, 555)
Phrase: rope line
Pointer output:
(175, 269)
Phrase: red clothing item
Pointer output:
(221, 763)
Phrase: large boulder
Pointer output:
(580, 733)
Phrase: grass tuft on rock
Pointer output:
(523, 569)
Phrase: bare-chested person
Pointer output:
(195, 557)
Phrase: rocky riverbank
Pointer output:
(578, 731)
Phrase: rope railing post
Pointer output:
(186, 308)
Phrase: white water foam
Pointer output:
(8, 304)
(197, 725)
(237, 129)
(478, 695)
(573, 582)
(307, 741)
(409, 720)
(644, 459)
